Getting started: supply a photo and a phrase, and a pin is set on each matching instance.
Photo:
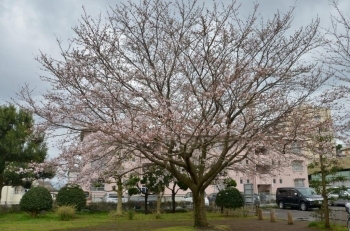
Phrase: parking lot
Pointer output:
(338, 214)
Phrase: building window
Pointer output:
(274, 181)
(97, 185)
(296, 149)
(280, 181)
(297, 165)
(248, 181)
(263, 169)
(18, 190)
(241, 181)
(299, 182)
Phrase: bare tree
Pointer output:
(193, 89)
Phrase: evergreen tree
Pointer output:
(152, 182)
(19, 146)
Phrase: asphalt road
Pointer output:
(338, 214)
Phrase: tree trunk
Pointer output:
(159, 199)
(120, 196)
(173, 201)
(325, 199)
(146, 199)
(173, 193)
(199, 211)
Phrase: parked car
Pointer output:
(300, 197)
(339, 197)
(189, 198)
(264, 198)
(347, 207)
(113, 197)
(247, 199)
(256, 199)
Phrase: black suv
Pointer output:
(300, 197)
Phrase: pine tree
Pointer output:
(20, 145)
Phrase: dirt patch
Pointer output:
(229, 224)
(262, 225)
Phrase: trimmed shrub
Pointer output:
(96, 207)
(66, 212)
(9, 209)
(36, 200)
(15, 209)
(71, 195)
(229, 198)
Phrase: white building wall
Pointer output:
(11, 195)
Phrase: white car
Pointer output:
(339, 198)
(189, 198)
(113, 197)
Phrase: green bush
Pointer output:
(15, 209)
(229, 198)
(36, 200)
(313, 224)
(114, 214)
(131, 214)
(9, 209)
(71, 195)
(96, 207)
(66, 212)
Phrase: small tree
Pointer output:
(152, 181)
(36, 200)
(229, 198)
(229, 182)
(71, 195)
(326, 173)
(327, 166)
(175, 189)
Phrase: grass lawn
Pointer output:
(50, 221)
(141, 222)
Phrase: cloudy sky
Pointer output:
(27, 26)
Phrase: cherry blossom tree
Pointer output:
(98, 157)
(192, 89)
(338, 58)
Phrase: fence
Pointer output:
(267, 198)
(337, 215)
